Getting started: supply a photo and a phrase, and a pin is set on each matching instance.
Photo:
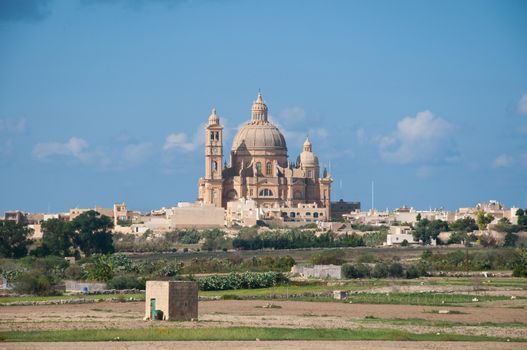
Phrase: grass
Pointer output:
(297, 289)
(322, 293)
(438, 323)
(139, 296)
(238, 333)
(308, 292)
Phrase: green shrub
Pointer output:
(34, 283)
(246, 280)
(380, 270)
(357, 271)
(396, 270)
(74, 272)
(125, 282)
(326, 257)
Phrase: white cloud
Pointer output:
(292, 115)
(522, 105)
(423, 138)
(360, 135)
(320, 133)
(502, 161)
(180, 141)
(12, 125)
(75, 147)
(137, 153)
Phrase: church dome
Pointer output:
(259, 134)
(307, 158)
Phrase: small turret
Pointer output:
(213, 118)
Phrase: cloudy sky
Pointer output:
(104, 101)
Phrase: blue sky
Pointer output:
(103, 101)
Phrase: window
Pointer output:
(292, 214)
(268, 168)
(308, 214)
(266, 193)
(214, 166)
(212, 135)
(315, 215)
(310, 173)
(258, 168)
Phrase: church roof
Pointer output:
(259, 133)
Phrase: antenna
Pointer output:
(372, 195)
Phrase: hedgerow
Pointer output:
(245, 280)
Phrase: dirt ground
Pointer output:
(265, 345)
(252, 313)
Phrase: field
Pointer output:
(489, 313)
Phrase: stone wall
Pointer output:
(205, 216)
(318, 271)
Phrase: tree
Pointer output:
(14, 239)
(483, 219)
(466, 225)
(93, 233)
(426, 230)
(510, 240)
(522, 218)
(57, 238)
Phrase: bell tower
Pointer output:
(212, 186)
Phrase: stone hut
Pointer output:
(171, 300)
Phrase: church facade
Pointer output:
(258, 168)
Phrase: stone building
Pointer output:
(258, 167)
(176, 300)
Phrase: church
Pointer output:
(258, 169)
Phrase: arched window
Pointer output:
(266, 193)
(315, 215)
(214, 166)
(259, 167)
(268, 168)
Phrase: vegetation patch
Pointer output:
(239, 333)
(439, 323)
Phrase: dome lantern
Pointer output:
(259, 110)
